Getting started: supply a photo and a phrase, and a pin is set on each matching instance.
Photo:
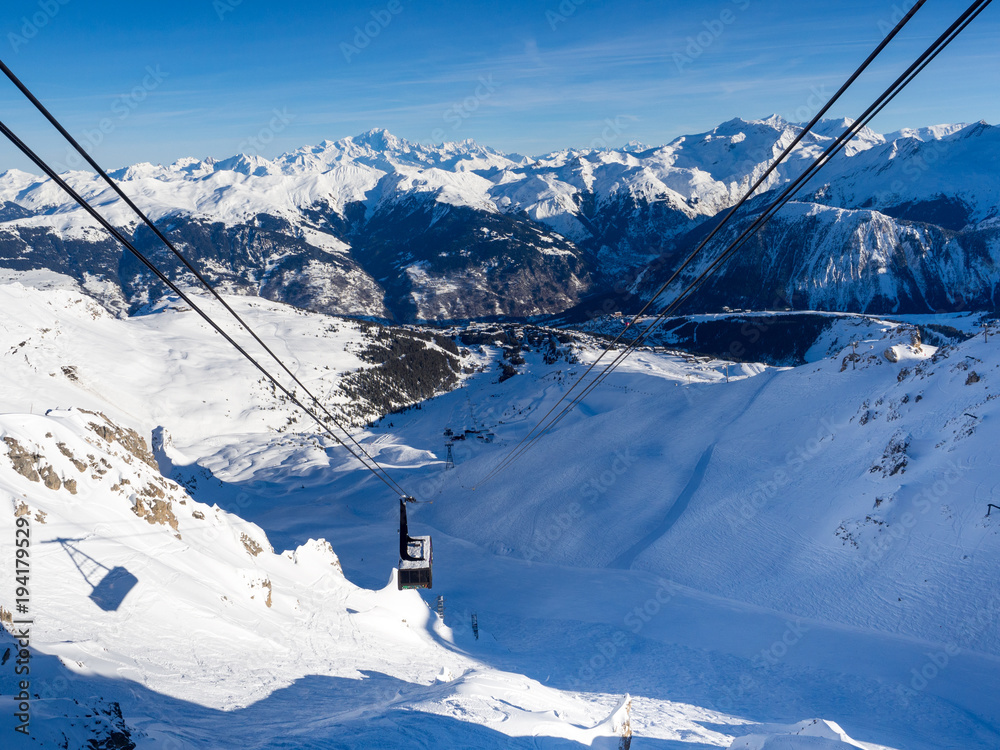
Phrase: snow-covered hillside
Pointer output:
(904, 226)
(379, 226)
(795, 558)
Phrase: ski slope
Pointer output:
(738, 558)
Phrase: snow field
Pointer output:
(676, 539)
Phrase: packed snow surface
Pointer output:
(796, 558)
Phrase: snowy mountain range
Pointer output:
(379, 226)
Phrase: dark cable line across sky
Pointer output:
(542, 427)
(187, 264)
(836, 147)
(376, 469)
(545, 424)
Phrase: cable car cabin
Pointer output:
(416, 573)
(416, 556)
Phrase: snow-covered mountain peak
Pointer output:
(930, 133)
(379, 139)
(252, 165)
(13, 181)
(147, 170)
(834, 127)
(381, 150)
(975, 130)
(741, 125)
(775, 121)
(193, 167)
(636, 146)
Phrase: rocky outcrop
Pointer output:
(129, 439)
(23, 461)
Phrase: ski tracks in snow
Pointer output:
(627, 558)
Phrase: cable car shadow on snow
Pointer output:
(109, 586)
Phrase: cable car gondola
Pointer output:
(415, 554)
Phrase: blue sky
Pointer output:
(214, 77)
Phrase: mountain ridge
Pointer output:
(355, 224)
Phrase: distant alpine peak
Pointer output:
(738, 124)
(248, 164)
(930, 133)
(775, 121)
(379, 138)
(635, 146)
